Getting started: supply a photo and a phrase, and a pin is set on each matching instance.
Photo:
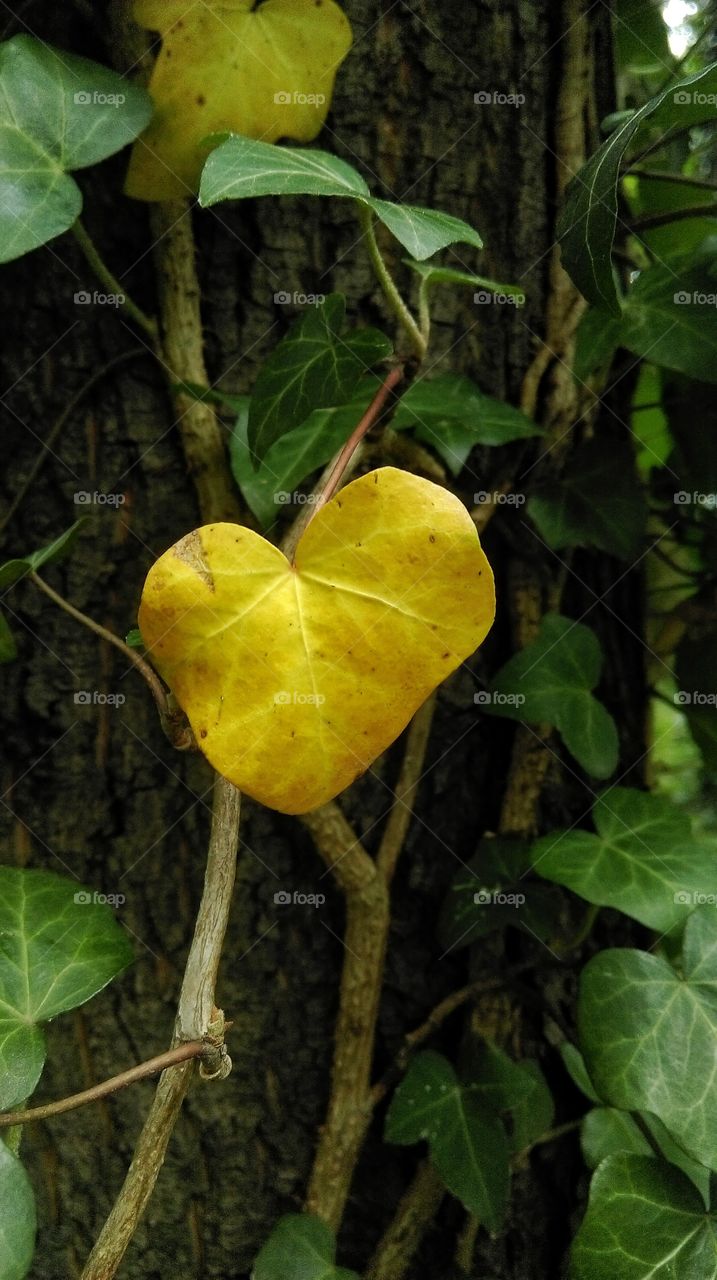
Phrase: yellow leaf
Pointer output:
(267, 73)
(295, 678)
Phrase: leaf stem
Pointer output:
(418, 339)
(683, 179)
(105, 276)
(653, 220)
(173, 720)
(191, 1049)
(196, 1017)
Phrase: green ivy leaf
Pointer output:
(17, 1218)
(58, 112)
(467, 1141)
(606, 1132)
(293, 457)
(517, 1087)
(669, 317)
(597, 337)
(8, 648)
(13, 570)
(433, 273)
(554, 677)
(645, 1221)
(574, 1064)
(313, 367)
(597, 501)
(452, 414)
(300, 1247)
(648, 1034)
(133, 639)
(586, 226)
(59, 948)
(644, 859)
(641, 38)
(243, 167)
(490, 893)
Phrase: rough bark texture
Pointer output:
(97, 790)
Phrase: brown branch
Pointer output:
(415, 1213)
(196, 1018)
(191, 1049)
(406, 789)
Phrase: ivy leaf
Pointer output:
(241, 167)
(8, 647)
(644, 860)
(433, 273)
(490, 893)
(517, 1087)
(17, 1218)
(574, 1064)
(263, 70)
(551, 680)
(313, 367)
(467, 1141)
(423, 231)
(301, 1247)
(598, 501)
(606, 1132)
(648, 1034)
(597, 337)
(59, 948)
(452, 414)
(670, 315)
(295, 677)
(58, 112)
(13, 570)
(586, 226)
(293, 457)
(645, 1221)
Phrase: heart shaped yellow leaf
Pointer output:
(295, 678)
(265, 72)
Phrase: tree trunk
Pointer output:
(95, 790)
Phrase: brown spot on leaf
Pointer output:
(191, 552)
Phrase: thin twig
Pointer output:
(192, 1049)
(388, 284)
(418, 1207)
(406, 788)
(60, 422)
(105, 276)
(196, 1017)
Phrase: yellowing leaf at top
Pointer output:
(295, 678)
(265, 72)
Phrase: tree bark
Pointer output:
(96, 790)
